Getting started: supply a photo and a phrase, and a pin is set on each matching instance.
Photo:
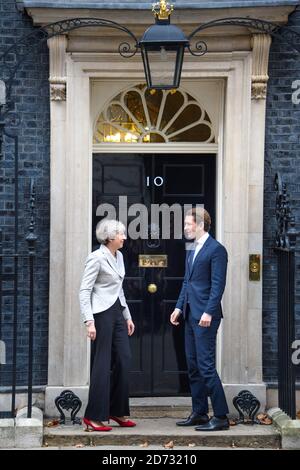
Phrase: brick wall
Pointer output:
(29, 121)
(282, 154)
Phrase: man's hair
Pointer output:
(200, 215)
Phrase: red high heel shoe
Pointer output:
(88, 424)
(123, 424)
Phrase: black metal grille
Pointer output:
(286, 331)
(286, 237)
(14, 262)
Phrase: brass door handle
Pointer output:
(152, 288)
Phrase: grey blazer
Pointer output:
(101, 283)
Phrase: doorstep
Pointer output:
(160, 431)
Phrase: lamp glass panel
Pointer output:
(162, 65)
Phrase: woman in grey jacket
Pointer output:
(108, 323)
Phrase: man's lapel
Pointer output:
(199, 254)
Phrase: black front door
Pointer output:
(151, 288)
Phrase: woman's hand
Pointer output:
(130, 327)
(91, 330)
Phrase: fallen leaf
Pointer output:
(232, 422)
(298, 414)
(169, 445)
(52, 423)
(145, 444)
(79, 446)
(192, 444)
(266, 421)
(263, 418)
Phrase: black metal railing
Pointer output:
(286, 237)
(17, 277)
(16, 291)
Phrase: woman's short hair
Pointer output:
(108, 229)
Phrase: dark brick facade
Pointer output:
(282, 154)
(30, 122)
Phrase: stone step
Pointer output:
(160, 407)
(160, 411)
(160, 431)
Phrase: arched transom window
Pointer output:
(139, 115)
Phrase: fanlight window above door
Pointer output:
(139, 115)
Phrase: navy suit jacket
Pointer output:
(204, 280)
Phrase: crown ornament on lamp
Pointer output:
(162, 10)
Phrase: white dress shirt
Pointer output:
(199, 244)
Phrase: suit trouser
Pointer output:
(200, 348)
(110, 360)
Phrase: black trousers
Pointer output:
(110, 361)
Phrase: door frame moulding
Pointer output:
(156, 148)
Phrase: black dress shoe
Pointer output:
(214, 424)
(193, 420)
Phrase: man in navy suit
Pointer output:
(199, 303)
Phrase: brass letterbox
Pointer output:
(153, 261)
(254, 267)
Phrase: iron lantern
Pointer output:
(162, 47)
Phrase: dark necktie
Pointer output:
(191, 258)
